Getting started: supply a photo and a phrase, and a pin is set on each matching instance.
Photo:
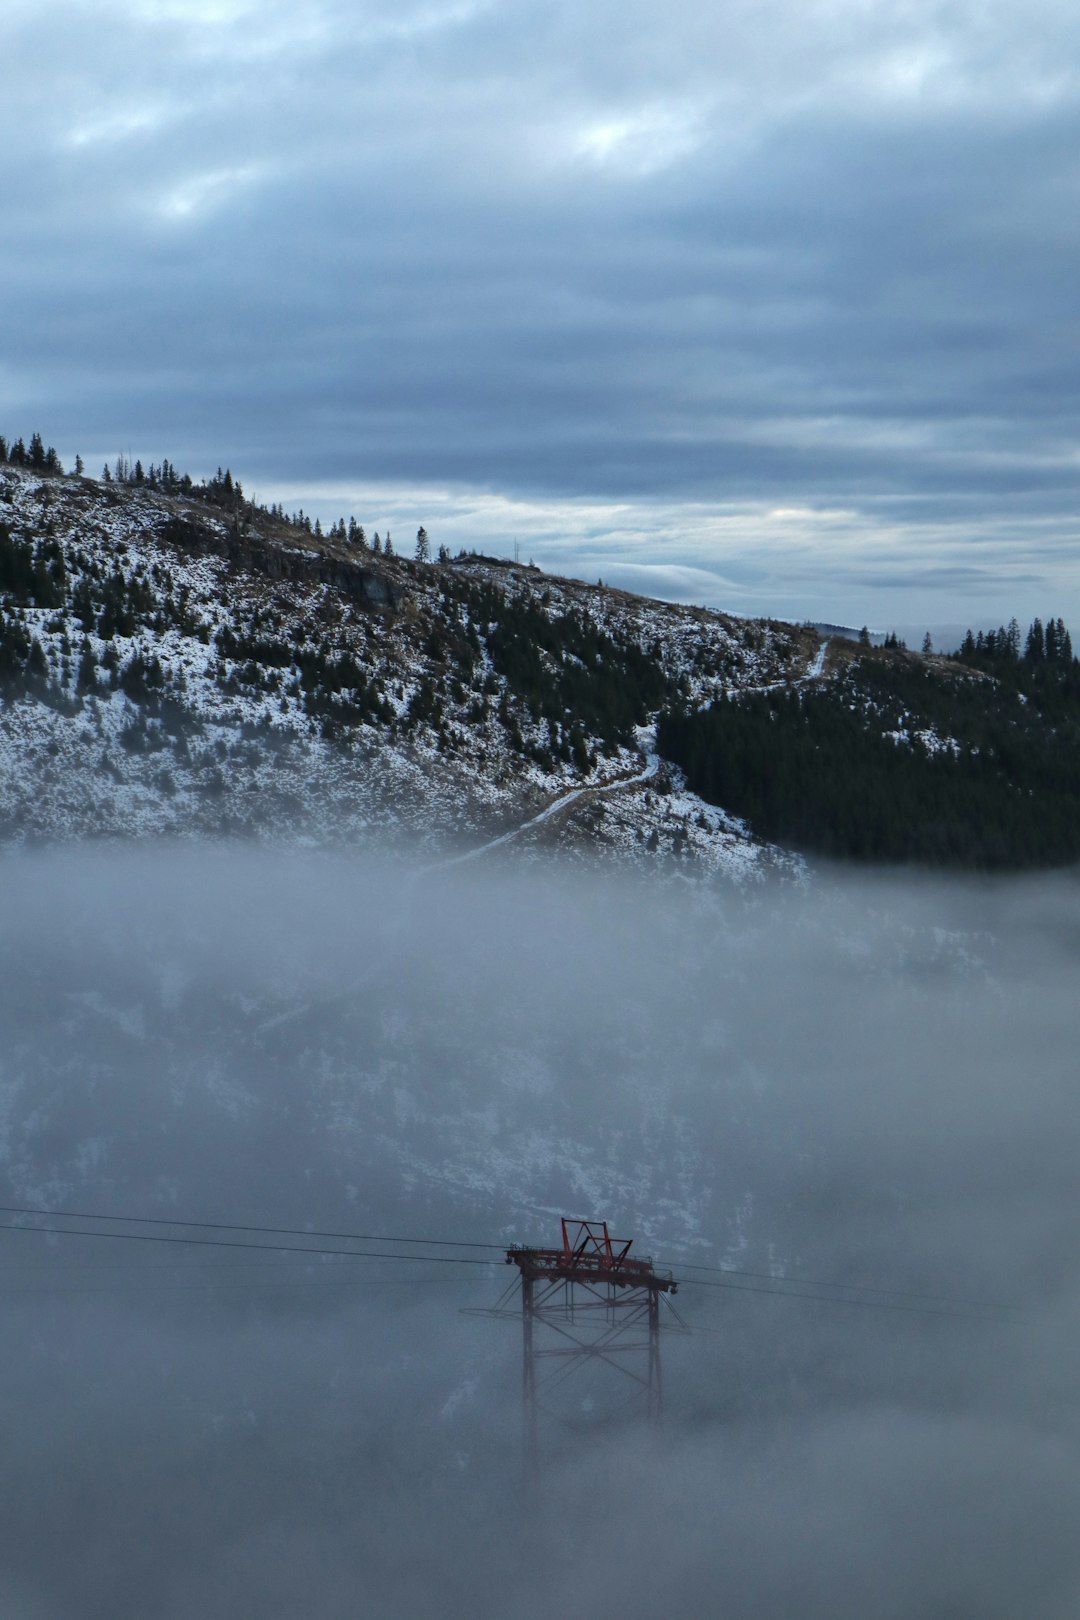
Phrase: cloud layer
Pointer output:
(706, 263)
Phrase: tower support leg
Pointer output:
(656, 1389)
(528, 1377)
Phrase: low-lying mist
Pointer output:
(870, 1083)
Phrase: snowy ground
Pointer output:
(250, 759)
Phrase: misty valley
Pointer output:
(864, 1088)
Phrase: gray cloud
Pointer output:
(556, 254)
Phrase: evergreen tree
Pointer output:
(37, 665)
(1062, 640)
(423, 550)
(87, 676)
(1050, 642)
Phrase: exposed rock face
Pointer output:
(254, 553)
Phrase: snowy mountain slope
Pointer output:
(174, 665)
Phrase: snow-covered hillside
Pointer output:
(172, 663)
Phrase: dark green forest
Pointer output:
(966, 762)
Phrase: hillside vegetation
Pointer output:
(176, 659)
(900, 758)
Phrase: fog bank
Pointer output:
(871, 1083)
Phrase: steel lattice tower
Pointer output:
(587, 1304)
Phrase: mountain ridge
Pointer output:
(177, 661)
(172, 666)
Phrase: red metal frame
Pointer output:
(589, 1252)
(586, 1303)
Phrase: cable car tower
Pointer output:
(586, 1308)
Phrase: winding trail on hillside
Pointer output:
(652, 765)
(817, 668)
(814, 672)
(647, 739)
(647, 736)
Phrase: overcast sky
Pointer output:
(770, 305)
